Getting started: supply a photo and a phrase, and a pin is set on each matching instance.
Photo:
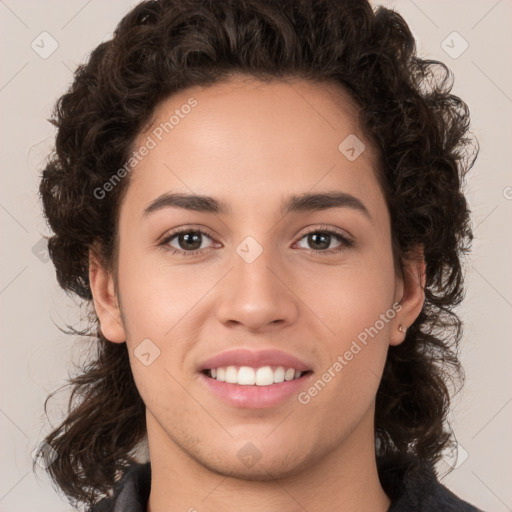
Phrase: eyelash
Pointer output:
(346, 243)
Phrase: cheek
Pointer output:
(358, 306)
(344, 389)
(156, 302)
(356, 295)
(167, 305)
(155, 295)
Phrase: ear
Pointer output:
(105, 300)
(410, 295)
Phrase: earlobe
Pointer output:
(105, 300)
(412, 291)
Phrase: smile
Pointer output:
(247, 376)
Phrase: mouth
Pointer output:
(254, 379)
(260, 388)
(249, 376)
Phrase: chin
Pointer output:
(258, 468)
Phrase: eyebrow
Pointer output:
(296, 203)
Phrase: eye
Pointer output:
(190, 242)
(320, 240)
(186, 241)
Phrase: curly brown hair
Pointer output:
(419, 129)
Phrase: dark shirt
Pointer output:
(411, 486)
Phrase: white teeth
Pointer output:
(264, 376)
(247, 376)
(231, 375)
(290, 374)
(279, 374)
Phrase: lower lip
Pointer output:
(255, 397)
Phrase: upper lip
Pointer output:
(254, 359)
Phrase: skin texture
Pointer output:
(252, 144)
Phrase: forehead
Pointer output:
(246, 137)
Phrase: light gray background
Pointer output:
(36, 355)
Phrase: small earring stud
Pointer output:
(400, 328)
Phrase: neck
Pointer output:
(343, 479)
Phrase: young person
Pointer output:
(262, 203)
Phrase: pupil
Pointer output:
(314, 238)
(188, 239)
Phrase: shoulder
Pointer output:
(412, 485)
(131, 492)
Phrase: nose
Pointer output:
(257, 295)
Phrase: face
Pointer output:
(257, 277)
